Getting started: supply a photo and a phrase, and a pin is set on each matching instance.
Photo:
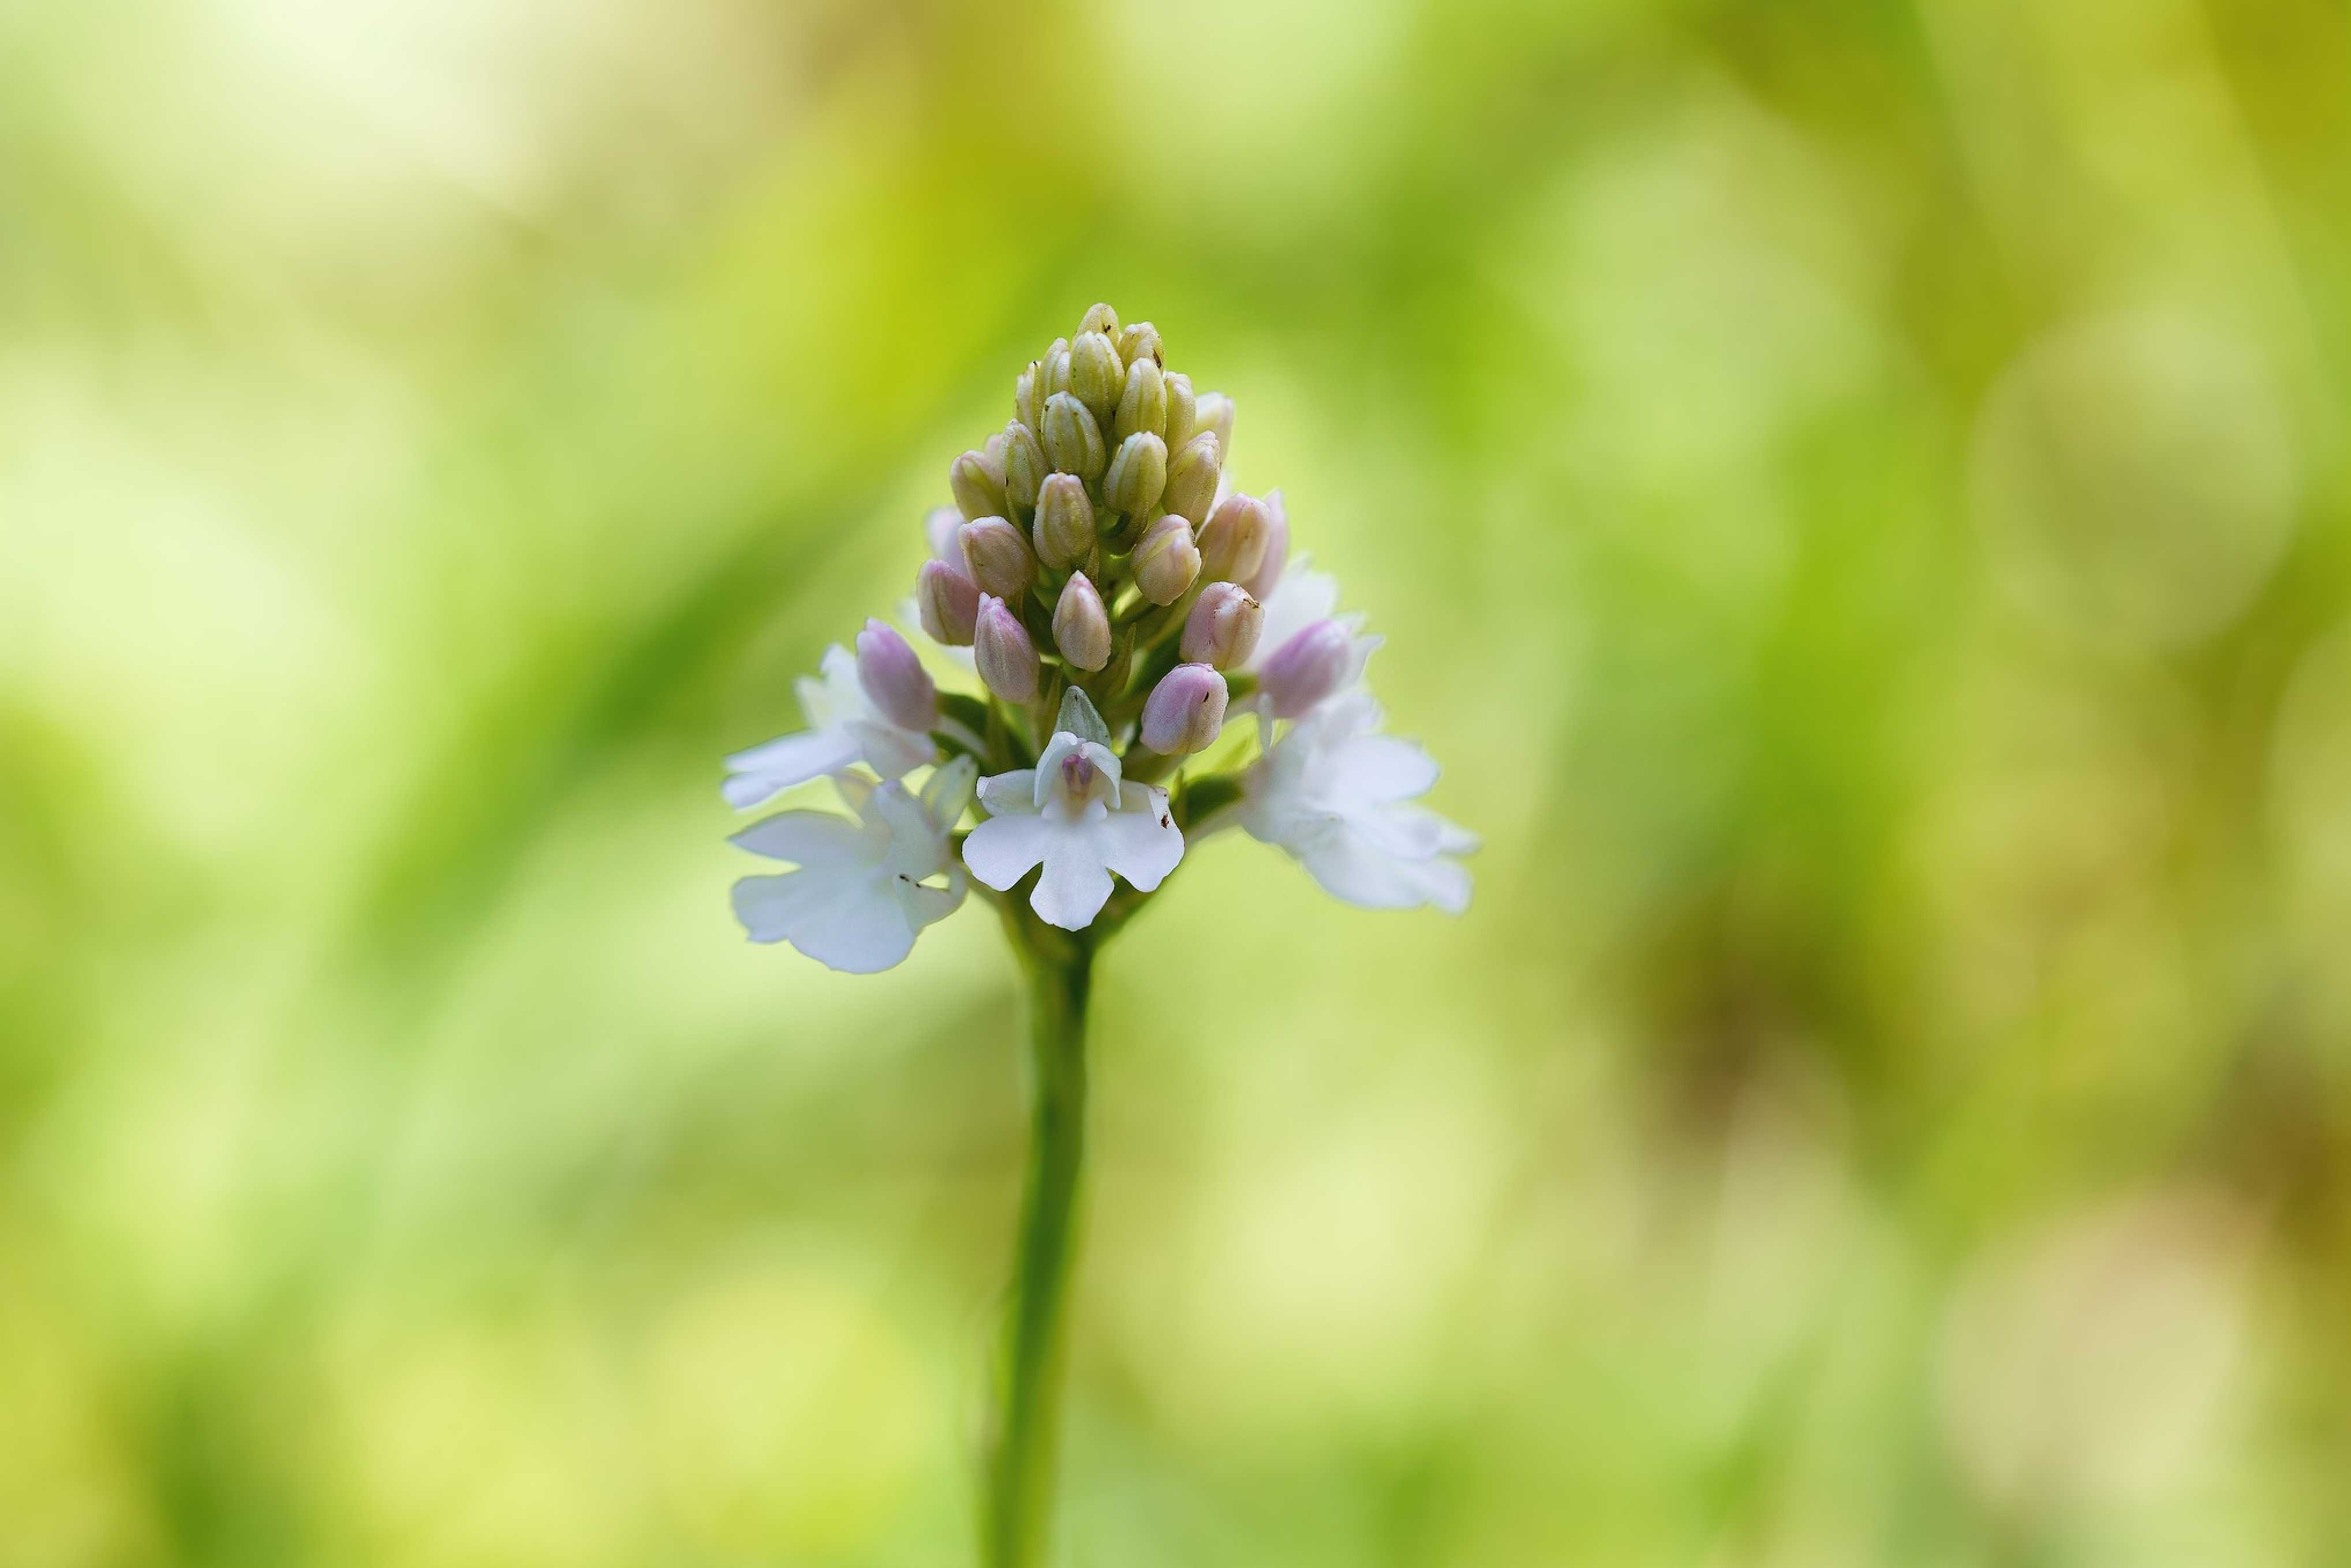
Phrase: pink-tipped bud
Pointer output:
(895, 678)
(948, 602)
(1065, 521)
(1185, 711)
(978, 481)
(1307, 669)
(1001, 648)
(1166, 561)
(1223, 626)
(1192, 478)
(1233, 540)
(1082, 624)
(1277, 547)
(996, 554)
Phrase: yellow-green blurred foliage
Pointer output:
(1857, 494)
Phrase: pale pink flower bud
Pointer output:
(948, 602)
(1073, 441)
(1185, 711)
(1137, 474)
(895, 678)
(1223, 626)
(1166, 561)
(1002, 650)
(1024, 464)
(1064, 528)
(978, 481)
(1192, 478)
(1082, 624)
(1305, 671)
(1097, 375)
(1277, 547)
(1233, 540)
(997, 557)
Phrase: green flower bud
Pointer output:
(1101, 319)
(1144, 404)
(1052, 376)
(1166, 561)
(978, 481)
(1082, 624)
(1064, 528)
(1096, 374)
(1072, 440)
(1233, 541)
(1027, 406)
(1192, 478)
(1137, 474)
(1182, 411)
(1214, 411)
(1141, 342)
(1024, 464)
(995, 556)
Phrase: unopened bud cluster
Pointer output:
(1096, 544)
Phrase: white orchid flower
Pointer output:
(845, 728)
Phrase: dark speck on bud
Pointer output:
(1100, 317)
(1223, 626)
(1138, 476)
(997, 557)
(1073, 441)
(1184, 711)
(1166, 561)
(1082, 624)
(895, 678)
(948, 602)
(1192, 478)
(1006, 658)
(1233, 541)
(977, 480)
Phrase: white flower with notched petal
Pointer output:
(863, 890)
(845, 727)
(1071, 814)
(1333, 793)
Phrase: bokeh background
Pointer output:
(1857, 497)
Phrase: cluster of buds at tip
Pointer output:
(1120, 600)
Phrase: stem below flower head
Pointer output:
(1017, 1510)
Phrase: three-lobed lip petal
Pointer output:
(844, 729)
(1073, 816)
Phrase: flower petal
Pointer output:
(892, 752)
(1010, 794)
(1141, 842)
(770, 770)
(1385, 768)
(853, 924)
(815, 838)
(1003, 850)
(1074, 885)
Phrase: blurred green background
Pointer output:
(1857, 497)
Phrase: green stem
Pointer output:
(1017, 1513)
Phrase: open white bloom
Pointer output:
(1333, 793)
(844, 729)
(1071, 814)
(863, 890)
